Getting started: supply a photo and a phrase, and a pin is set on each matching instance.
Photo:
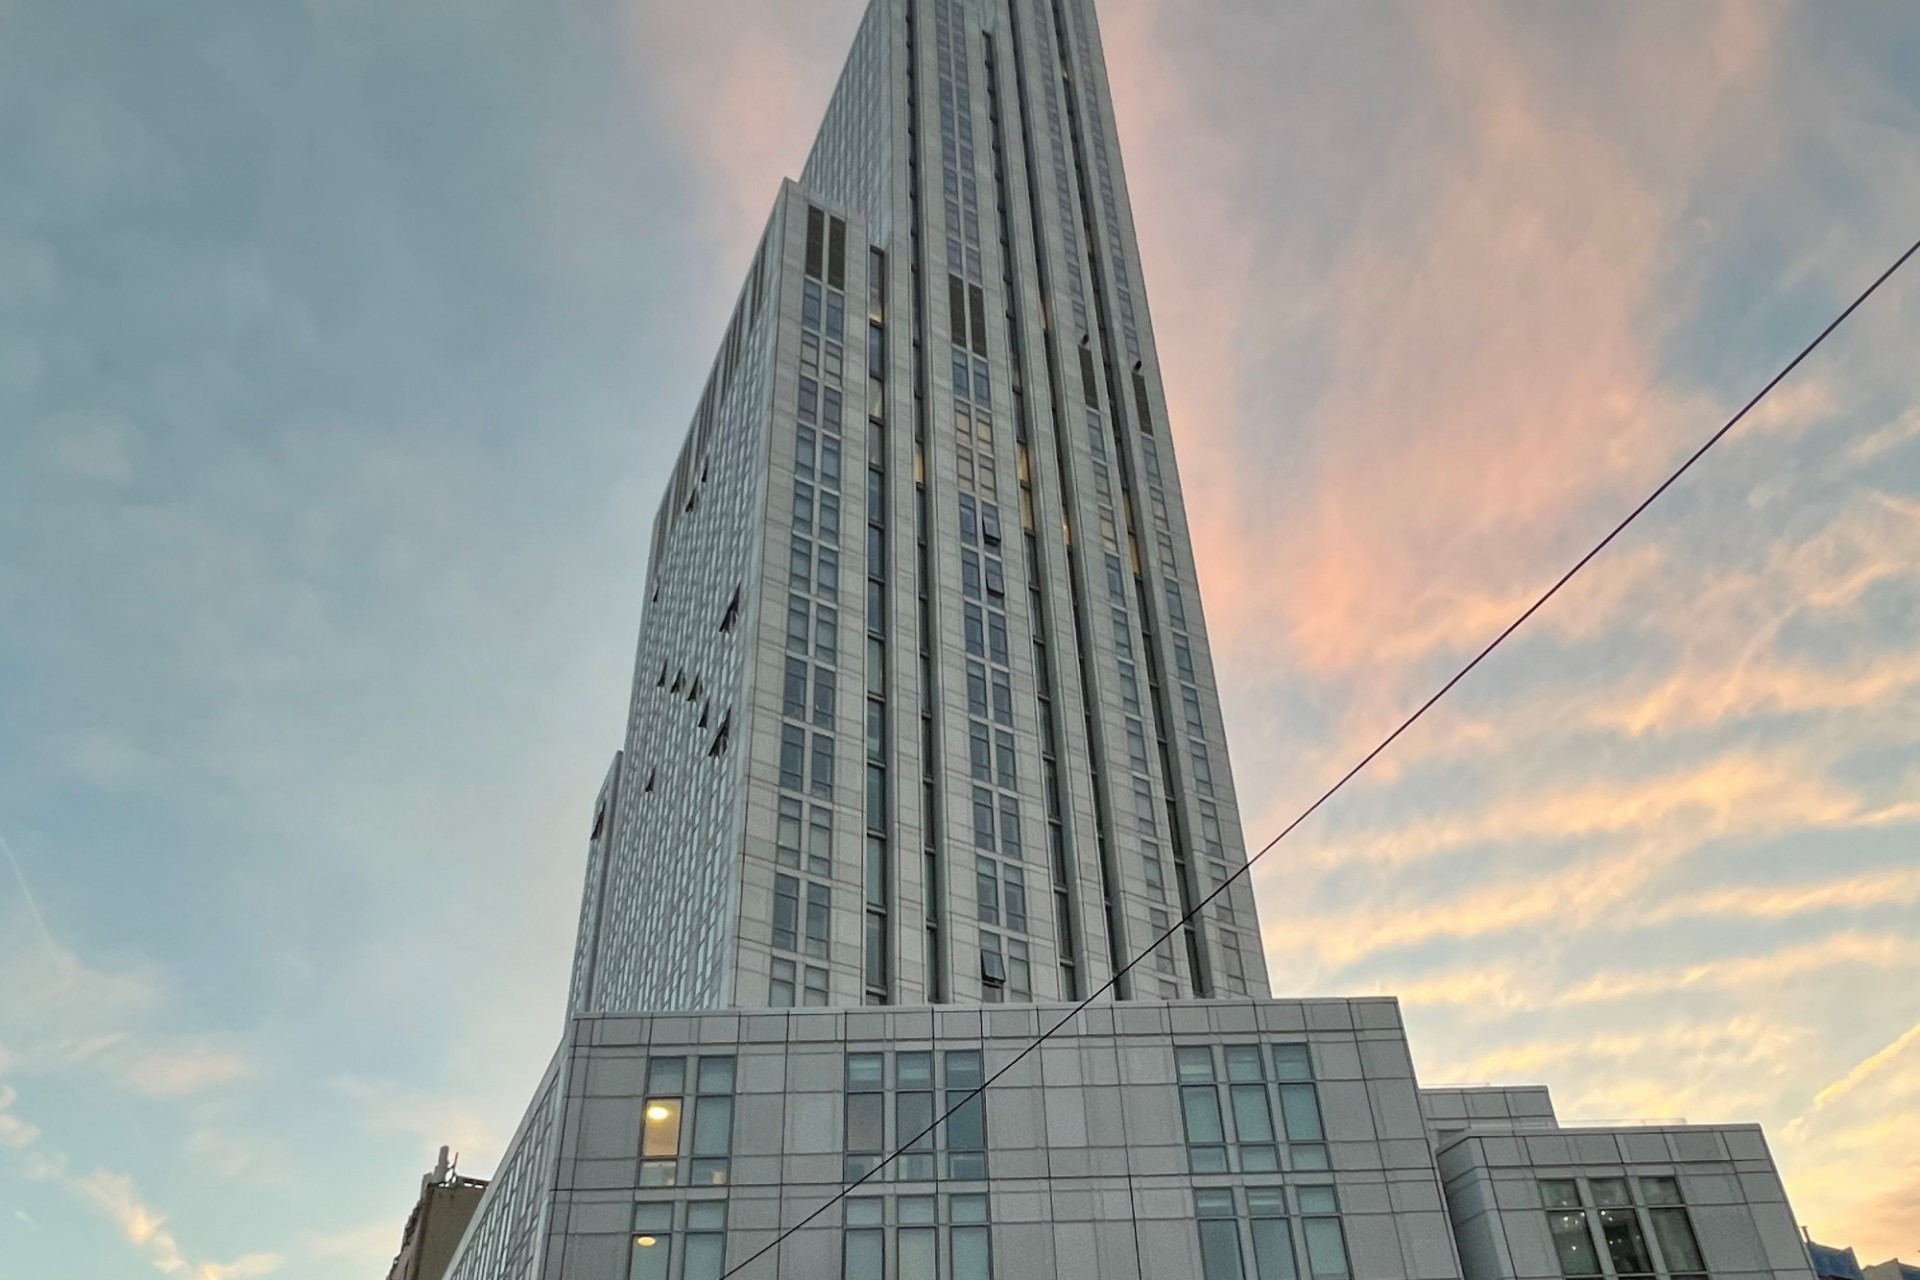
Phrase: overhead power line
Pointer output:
(1364, 761)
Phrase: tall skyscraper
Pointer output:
(924, 735)
(924, 709)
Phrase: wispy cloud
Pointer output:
(146, 1228)
(26, 895)
(1867, 1068)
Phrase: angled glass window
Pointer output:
(1573, 1242)
(1626, 1245)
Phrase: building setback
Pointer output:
(925, 745)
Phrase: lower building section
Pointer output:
(1195, 1140)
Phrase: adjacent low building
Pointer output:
(1215, 1140)
(437, 1224)
(1891, 1269)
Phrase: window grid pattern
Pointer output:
(915, 1235)
(847, 164)
(924, 1084)
(680, 778)
(1262, 1243)
(1241, 1119)
(686, 1122)
(700, 1248)
(1622, 1228)
(802, 925)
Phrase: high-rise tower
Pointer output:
(924, 709)
(924, 718)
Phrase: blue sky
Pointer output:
(344, 347)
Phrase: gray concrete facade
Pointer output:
(923, 707)
(1193, 1140)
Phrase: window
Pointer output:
(820, 842)
(993, 968)
(786, 913)
(1300, 1106)
(1014, 885)
(865, 1241)
(819, 920)
(781, 986)
(815, 993)
(970, 1240)
(1567, 1223)
(651, 1255)
(786, 838)
(1620, 1228)
(1219, 1235)
(987, 891)
(1272, 1239)
(876, 954)
(1672, 1229)
(1002, 698)
(866, 1113)
(983, 818)
(980, 754)
(712, 1126)
(824, 688)
(1019, 969)
(660, 1122)
(919, 1242)
(706, 1253)
(1158, 923)
(1252, 1117)
(800, 564)
(966, 1129)
(1010, 842)
(1200, 1108)
(823, 765)
(876, 797)
(827, 580)
(1326, 1242)
(826, 633)
(913, 1115)
(793, 696)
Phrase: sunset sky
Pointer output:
(346, 345)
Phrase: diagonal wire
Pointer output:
(1365, 760)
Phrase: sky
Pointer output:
(346, 345)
